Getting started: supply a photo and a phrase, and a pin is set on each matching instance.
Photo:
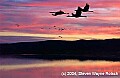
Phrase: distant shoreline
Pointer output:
(108, 49)
(61, 57)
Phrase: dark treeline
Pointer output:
(109, 48)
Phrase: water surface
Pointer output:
(39, 68)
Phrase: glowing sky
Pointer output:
(36, 23)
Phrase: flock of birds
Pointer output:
(54, 27)
(78, 14)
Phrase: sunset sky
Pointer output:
(36, 23)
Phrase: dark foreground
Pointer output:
(83, 49)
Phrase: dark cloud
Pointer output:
(3, 4)
(97, 24)
(18, 0)
(14, 39)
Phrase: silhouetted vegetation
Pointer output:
(88, 49)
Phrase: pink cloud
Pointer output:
(94, 4)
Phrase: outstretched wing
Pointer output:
(76, 16)
(52, 12)
(79, 9)
(86, 8)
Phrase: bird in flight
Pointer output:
(86, 8)
(60, 36)
(78, 13)
(17, 25)
(58, 13)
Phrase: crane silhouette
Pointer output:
(58, 13)
(86, 8)
(78, 13)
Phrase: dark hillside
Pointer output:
(109, 48)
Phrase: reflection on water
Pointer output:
(35, 68)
